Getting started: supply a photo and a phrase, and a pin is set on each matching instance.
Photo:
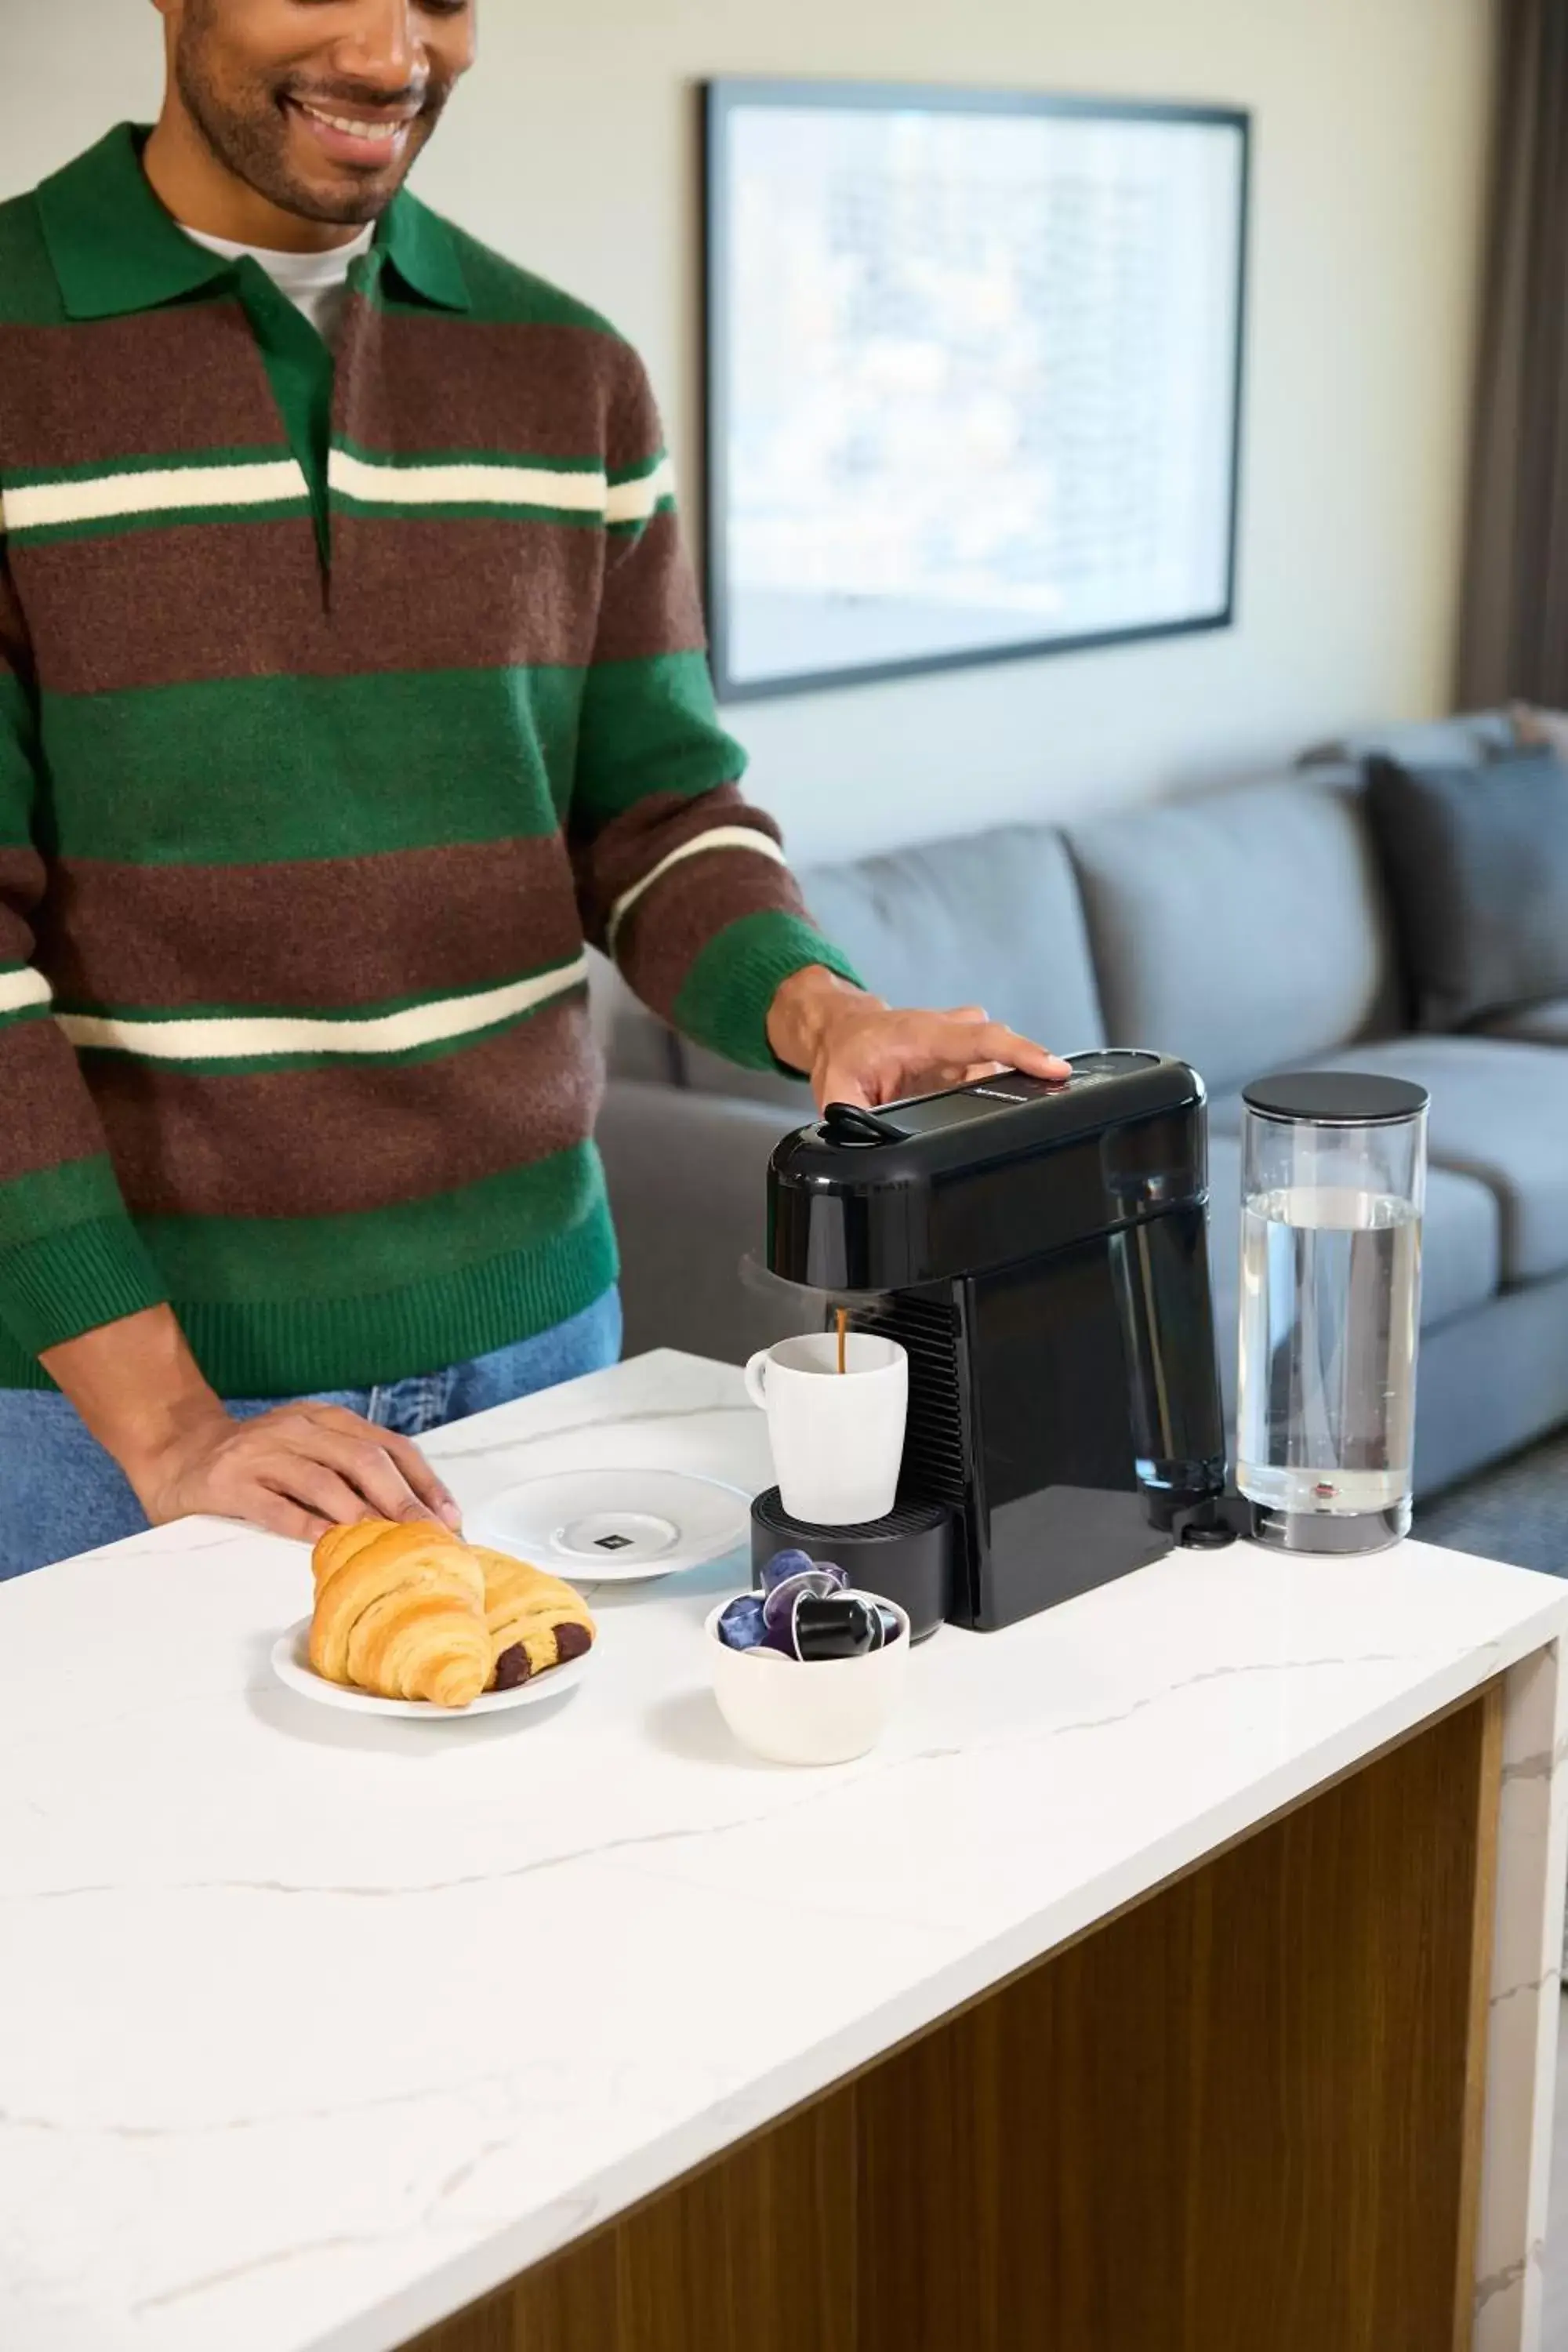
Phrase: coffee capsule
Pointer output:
(742, 1627)
(778, 1606)
(835, 1625)
(786, 1564)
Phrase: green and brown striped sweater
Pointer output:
(339, 709)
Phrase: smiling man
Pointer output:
(352, 679)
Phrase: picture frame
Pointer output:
(975, 376)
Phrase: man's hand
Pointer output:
(296, 1471)
(855, 1050)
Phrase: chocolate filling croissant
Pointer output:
(513, 1666)
(535, 1621)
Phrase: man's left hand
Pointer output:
(855, 1049)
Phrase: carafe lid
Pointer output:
(1336, 1097)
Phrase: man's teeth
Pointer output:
(374, 133)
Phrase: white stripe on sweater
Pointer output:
(237, 1038)
(171, 489)
(636, 502)
(461, 485)
(719, 836)
(43, 506)
(18, 989)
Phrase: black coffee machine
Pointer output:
(1040, 1250)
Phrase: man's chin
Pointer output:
(345, 195)
(349, 204)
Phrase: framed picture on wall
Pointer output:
(975, 376)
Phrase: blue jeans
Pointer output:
(60, 1493)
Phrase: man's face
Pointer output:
(319, 105)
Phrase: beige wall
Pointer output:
(575, 149)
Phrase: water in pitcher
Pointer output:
(1330, 1287)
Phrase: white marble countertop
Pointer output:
(312, 2031)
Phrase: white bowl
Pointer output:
(826, 1713)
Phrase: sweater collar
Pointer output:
(115, 250)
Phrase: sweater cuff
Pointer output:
(65, 1282)
(727, 995)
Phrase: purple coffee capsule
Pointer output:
(742, 1627)
(786, 1564)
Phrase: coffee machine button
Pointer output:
(1114, 1062)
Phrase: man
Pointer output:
(351, 677)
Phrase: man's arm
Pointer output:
(78, 1287)
(296, 1471)
(680, 879)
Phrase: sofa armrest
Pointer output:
(687, 1177)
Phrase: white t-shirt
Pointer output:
(316, 283)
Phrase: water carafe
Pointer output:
(1333, 1189)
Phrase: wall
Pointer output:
(575, 149)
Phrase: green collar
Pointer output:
(115, 250)
(424, 252)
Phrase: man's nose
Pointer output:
(384, 45)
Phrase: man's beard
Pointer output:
(253, 142)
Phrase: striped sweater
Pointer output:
(340, 707)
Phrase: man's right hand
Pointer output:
(296, 1471)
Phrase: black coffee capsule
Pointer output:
(835, 1625)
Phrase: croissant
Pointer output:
(535, 1622)
(400, 1612)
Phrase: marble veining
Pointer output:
(1500, 2281)
(407, 1889)
(1522, 2024)
(332, 2025)
(1531, 1984)
(1538, 1767)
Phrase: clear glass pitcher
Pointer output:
(1333, 1188)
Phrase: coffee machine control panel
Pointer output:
(1087, 1070)
(985, 1175)
(845, 1124)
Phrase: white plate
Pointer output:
(291, 1665)
(616, 1527)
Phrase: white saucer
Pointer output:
(291, 1665)
(615, 1526)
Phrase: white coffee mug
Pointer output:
(837, 1439)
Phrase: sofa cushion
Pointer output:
(1243, 930)
(1542, 1025)
(991, 918)
(1476, 861)
(1461, 1252)
(1499, 1114)
(1461, 741)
